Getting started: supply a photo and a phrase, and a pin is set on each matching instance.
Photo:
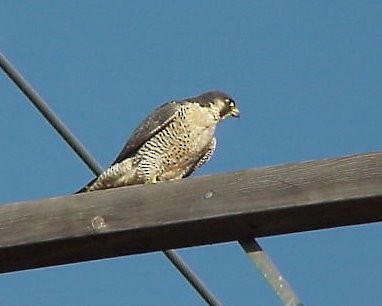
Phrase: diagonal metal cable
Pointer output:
(94, 166)
(49, 115)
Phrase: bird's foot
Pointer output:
(152, 180)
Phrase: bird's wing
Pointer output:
(154, 123)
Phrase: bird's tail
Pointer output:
(86, 187)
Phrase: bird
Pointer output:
(170, 144)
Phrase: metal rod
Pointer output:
(192, 278)
(49, 115)
(93, 165)
(270, 272)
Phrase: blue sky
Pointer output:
(306, 76)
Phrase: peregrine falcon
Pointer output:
(170, 144)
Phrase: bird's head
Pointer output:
(223, 103)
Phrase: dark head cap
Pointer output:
(219, 99)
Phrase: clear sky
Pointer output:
(306, 76)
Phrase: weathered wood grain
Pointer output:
(251, 203)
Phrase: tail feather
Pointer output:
(86, 187)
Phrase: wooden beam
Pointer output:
(137, 219)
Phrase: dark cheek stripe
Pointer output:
(224, 111)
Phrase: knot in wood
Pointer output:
(208, 195)
(98, 224)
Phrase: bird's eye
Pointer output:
(230, 102)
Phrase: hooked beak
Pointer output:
(235, 112)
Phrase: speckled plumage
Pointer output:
(169, 144)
